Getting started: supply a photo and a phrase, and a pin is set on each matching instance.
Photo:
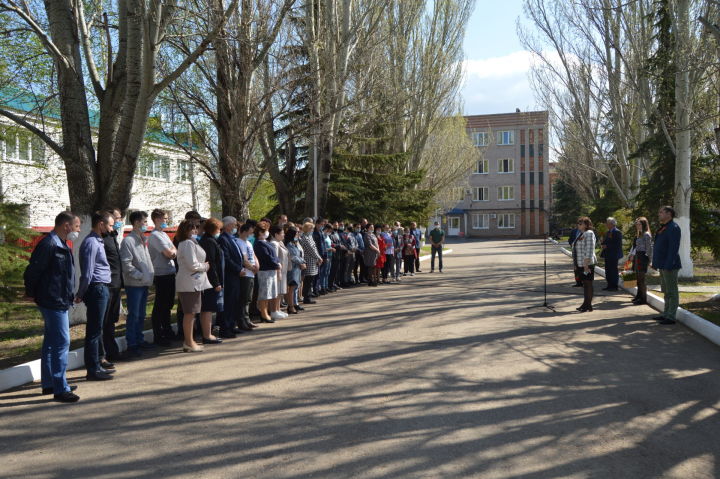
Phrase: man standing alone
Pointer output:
(437, 239)
(49, 281)
(93, 291)
(612, 252)
(666, 259)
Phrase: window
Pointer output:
(506, 137)
(506, 165)
(21, 146)
(153, 166)
(481, 167)
(38, 150)
(183, 167)
(506, 193)
(480, 138)
(480, 194)
(506, 221)
(480, 221)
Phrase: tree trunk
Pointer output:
(683, 156)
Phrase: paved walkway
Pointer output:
(444, 376)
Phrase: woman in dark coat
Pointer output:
(212, 298)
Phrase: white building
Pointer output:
(32, 174)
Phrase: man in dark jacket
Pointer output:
(322, 249)
(666, 259)
(232, 273)
(49, 281)
(109, 350)
(612, 252)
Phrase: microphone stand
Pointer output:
(545, 303)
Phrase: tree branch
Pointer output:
(34, 130)
(87, 48)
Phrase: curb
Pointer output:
(30, 371)
(703, 327)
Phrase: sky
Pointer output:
(496, 65)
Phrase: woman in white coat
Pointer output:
(277, 235)
(191, 279)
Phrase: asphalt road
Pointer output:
(442, 376)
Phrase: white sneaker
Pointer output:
(276, 315)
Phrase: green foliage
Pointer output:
(13, 258)
(705, 205)
(376, 187)
(567, 206)
(264, 201)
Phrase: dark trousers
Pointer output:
(388, 266)
(359, 271)
(410, 262)
(307, 284)
(162, 307)
(108, 347)
(232, 307)
(334, 266)
(611, 273)
(244, 297)
(417, 259)
(433, 251)
(96, 299)
(252, 307)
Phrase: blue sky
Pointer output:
(496, 66)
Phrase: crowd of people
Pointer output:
(660, 252)
(227, 276)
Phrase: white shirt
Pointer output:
(158, 242)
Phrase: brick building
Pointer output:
(508, 191)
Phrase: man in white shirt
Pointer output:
(247, 280)
(162, 253)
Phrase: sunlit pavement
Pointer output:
(449, 375)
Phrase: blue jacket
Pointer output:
(573, 236)
(319, 239)
(265, 254)
(50, 275)
(231, 255)
(613, 243)
(667, 246)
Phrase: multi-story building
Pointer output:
(507, 193)
(32, 174)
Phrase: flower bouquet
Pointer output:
(629, 279)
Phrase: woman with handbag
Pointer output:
(640, 256)
(584, 249)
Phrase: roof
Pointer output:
(28, 102)
(521, 118)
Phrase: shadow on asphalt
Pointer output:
(623, 374)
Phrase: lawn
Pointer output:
(700, 304)
(21, 331)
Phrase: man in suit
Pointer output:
(612, 252)
(666, 259)
(232, 274)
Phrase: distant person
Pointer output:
(93, 291)
(267, 276)
(248, 290)
(232, 274)
(612, 251)
(296, 265)
(574, 233)
(409, 252)
(277, 240)
(49, 282)
(162, 252)
(437, 240)
(586, 261)
(666, 259)
(417, 234)
(312, 261)
(138, 275)
(640, 255)
(371, 254)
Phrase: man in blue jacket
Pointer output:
(49, 281)
(612, 252)
(232, 274)
(666, 259)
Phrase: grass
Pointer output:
(700, 304)
(21, 331)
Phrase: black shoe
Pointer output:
(240, 329)
(226, 335)
(314, 295)
(250, 324)
(164, 342)
(577, 285)
(212, 341)
(98, 376)
(323, 292)
(106, 371)
(299, 308)
(667, 321)
(418, 271)
(267, 320)
(105, 364)
(46, 391)
(658, 318)
(291, 311)
(609, 289)
(309, 301)
(67, 396)
(146, 345)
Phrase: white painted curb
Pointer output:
(703, 327)
(30, 371)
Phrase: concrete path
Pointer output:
(444, 376)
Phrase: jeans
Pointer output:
(669, 283)
(136, 304)
(96, 300)
(417, 259)
(324, 274)
(433, 251)
(164, 301)
(55, 348)
(398, 266)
